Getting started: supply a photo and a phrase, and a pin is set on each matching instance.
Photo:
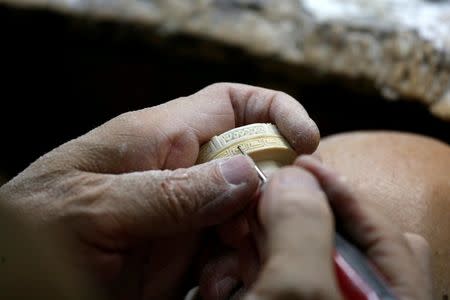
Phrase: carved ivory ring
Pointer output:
(262, 142)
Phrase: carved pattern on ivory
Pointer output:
(251, 138)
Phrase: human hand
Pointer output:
(289, 255)
(120, 192)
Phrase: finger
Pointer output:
(383, 242)
(422, 253)
(317, 156)
(220, 277)
(256, 230)
(297, 259)
(248, 104)
(232, 232)
(169, 135)
(156, 203)
(249, 264)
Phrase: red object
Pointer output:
(351, 285)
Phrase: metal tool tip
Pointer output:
(261, 174)
(242, 151)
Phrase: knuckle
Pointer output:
(129, 120)
(124, 126)
(280, 95)
(87, 197)
(132, 122)
(124, 117)
(175, 198)
(179, 194)
(83, 188)
(215, 176)
(218, 86)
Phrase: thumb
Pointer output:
(163, 202)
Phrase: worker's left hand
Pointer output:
(120, 195)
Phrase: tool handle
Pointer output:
(357, 278)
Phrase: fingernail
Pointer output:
(236, 170)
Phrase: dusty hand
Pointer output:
(297, 247)
(289, 253)
(120, 193)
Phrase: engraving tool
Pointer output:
(269, 151)
(261, 174)
(357, 278)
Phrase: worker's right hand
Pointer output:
(295, 241)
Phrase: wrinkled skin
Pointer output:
(126, 195)
(403, 177)
(133, 209)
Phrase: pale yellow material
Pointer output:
(261, 141)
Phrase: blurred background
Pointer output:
(67, 69)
